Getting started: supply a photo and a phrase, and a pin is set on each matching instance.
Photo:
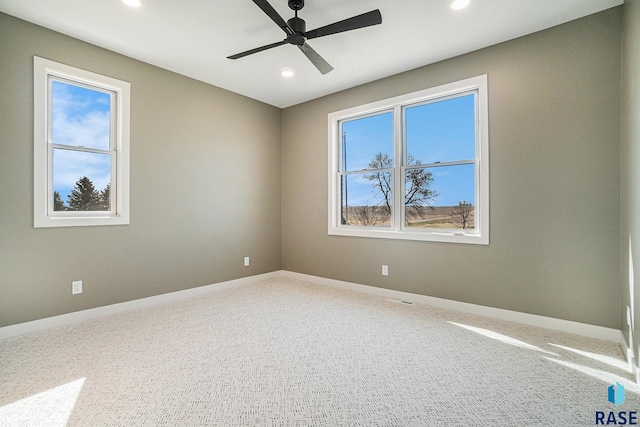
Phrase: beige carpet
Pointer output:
(289, 353)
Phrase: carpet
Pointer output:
(284, 352)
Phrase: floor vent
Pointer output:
(399, 301)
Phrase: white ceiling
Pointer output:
(194, 37)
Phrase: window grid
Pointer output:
(52, 145)
(427, 166)
(478, 232)
(113, 152)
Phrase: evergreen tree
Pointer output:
(84, 196)
(105, 198)
(58, 204)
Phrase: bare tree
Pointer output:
(369, 215)
(463, 214)
(381, 180)
(418, 192)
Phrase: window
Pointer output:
(81, 147)
(413, 167)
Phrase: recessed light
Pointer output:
(459, 4)
(286, 73)
(133, 3)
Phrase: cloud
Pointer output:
(80, 117)
(69, 166)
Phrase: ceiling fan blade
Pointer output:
(275, 16)
(365, 20)
(256, 50)
(317, 60)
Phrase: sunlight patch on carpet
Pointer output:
(51, 407)
(611, 361)
(605, 376)
(502, 338)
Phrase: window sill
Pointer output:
(425, 236)
(53, 221)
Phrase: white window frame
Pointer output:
(44, 215)
(480, 235)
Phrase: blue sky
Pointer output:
(80, 117)
(441, 131)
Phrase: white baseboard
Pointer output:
(92, 313)
(593, 331)
(577, 328)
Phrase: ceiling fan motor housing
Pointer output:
(296, 4)
(299, 27)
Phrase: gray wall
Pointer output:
(630, 175)
(554, 125)
(205, 187)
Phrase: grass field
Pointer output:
(438, 217)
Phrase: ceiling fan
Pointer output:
(297, 35)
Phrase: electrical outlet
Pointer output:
(76, 287)
(246, 261)
(385, 270)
